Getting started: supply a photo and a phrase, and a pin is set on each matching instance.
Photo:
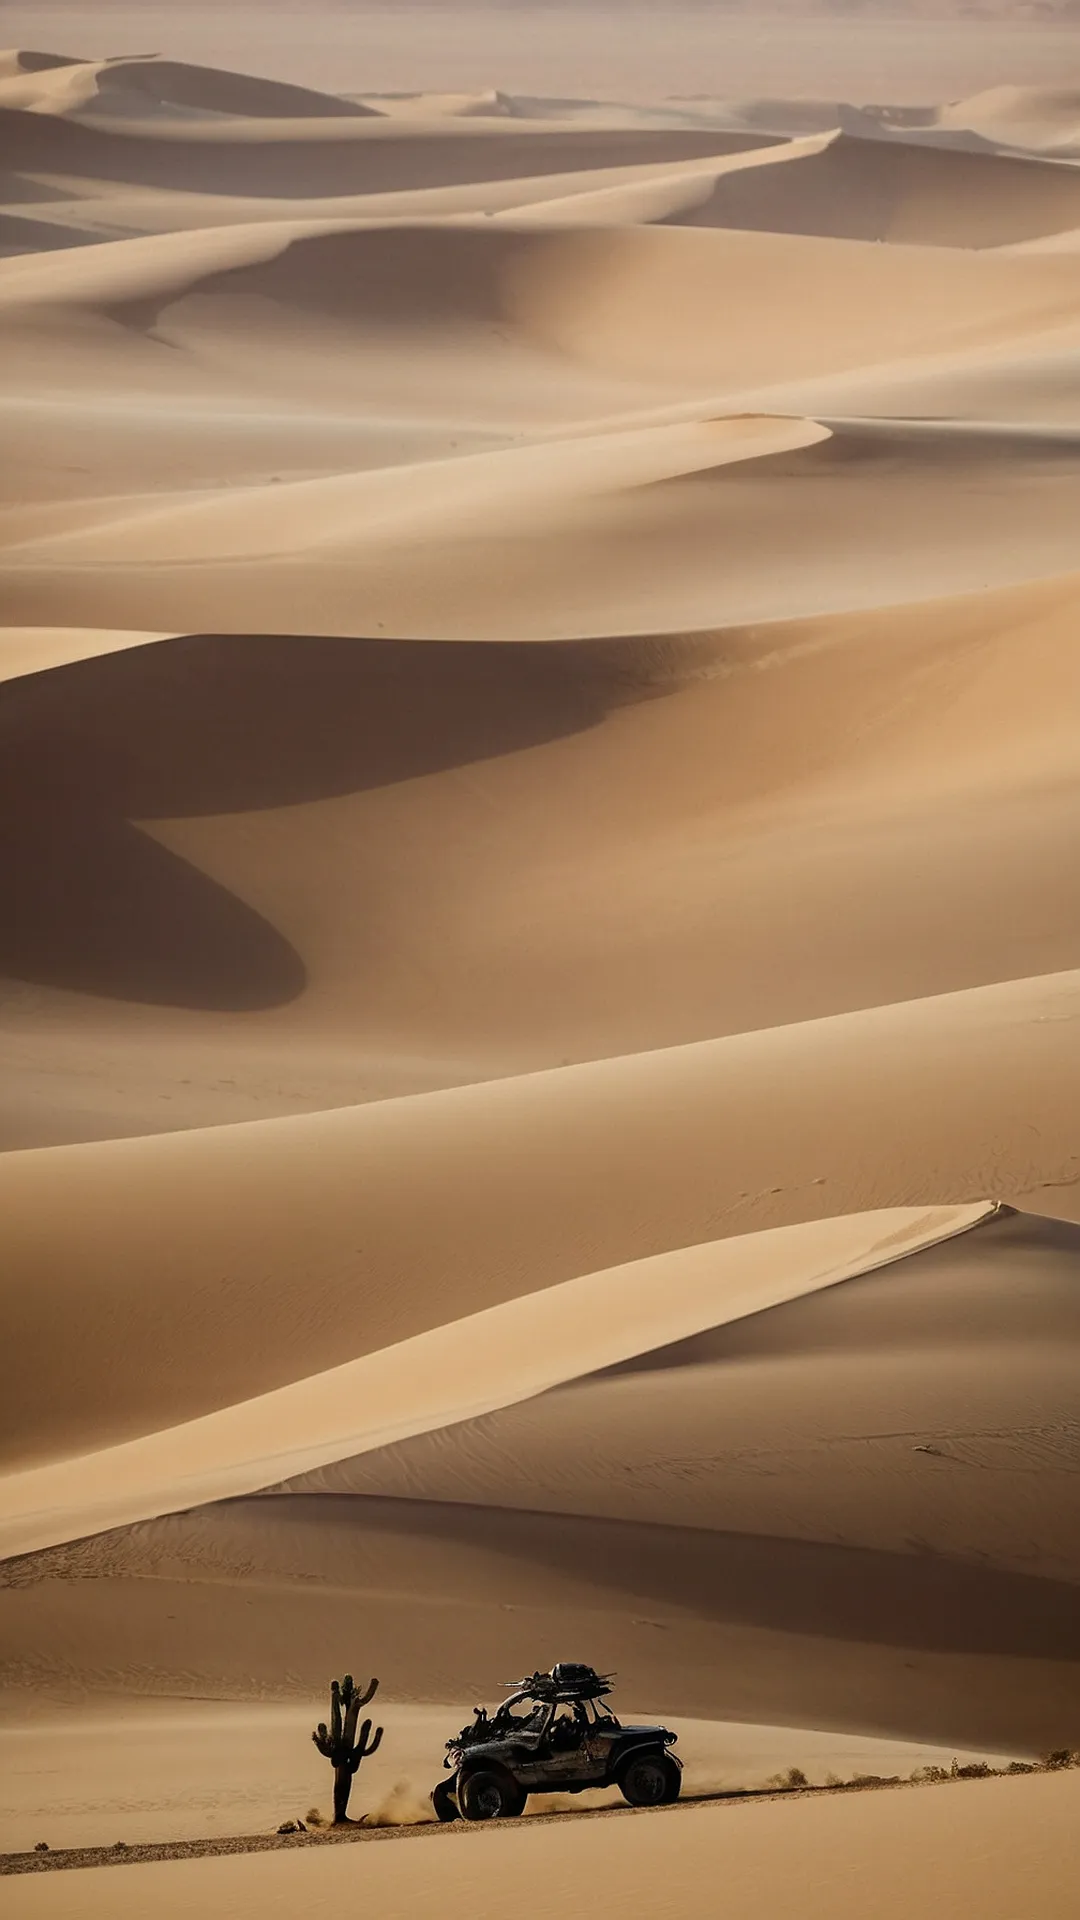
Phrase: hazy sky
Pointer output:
(593, 49)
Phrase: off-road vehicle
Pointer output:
(554, 1734)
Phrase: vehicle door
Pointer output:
(566, 1747)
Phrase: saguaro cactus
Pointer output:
(341, 1744)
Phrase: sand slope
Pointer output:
(253, 1600)
(504, 1352)
(685, 1139)
(145, 1764)
(907, 194)
(986, 1850)
(245, 807)
(1043, 119)
(736, 1428)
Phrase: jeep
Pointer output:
(555, 1734)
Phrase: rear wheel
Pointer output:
(443, 1801)
(650, 1780)
(490, 1795)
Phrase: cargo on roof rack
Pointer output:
(568, 1680)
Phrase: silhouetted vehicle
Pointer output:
(554, 1734)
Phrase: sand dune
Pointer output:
(132, 88)
(101, 210)
(913, 196)
(270, 1204)
(1044, 119)
(542, 486)
(614, 551)
(736, 1428)
(250, 1601)
(443, 554)
(699, 790)
(357, 152)
(538, 791)
(505, 1352)
(684, 192)
(536, 280)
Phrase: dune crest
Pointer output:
(36, 649)
(134, 89)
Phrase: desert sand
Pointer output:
(538, 693)
(1002, 1846)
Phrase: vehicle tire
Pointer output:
(443, 1801)
(650, 1780)
(489, 1794)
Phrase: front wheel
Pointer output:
(443, 1801)
(490, 1796)
(650, 1780)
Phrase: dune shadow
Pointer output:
(919, 1602)
(1015, 1278)
(92, 904)
(381, 277)
(779, 1632)
(20, 234)
(858, 188)
(334, 162)
(219, 724)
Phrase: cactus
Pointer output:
(341, 1744)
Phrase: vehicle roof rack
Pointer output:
(568, 1680)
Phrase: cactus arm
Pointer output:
(335, 1712)
(372, 1689)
